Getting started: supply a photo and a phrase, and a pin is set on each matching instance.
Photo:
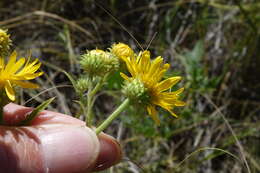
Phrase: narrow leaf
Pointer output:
(70, 78)
(35, 112)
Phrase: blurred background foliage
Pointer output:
(213, 44)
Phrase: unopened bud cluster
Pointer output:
(135, 91)
(122, 50)
(82, 85)
(5, 43)
(98, 62)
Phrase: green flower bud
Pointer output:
(5, 42)
(98, 62)
(136, 91)
(82, 85)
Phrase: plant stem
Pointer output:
(89, 106)
(90, 99)
(112, 116)
(99, 85)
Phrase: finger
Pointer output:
(13, 114)
(110, 152)
(48, 148)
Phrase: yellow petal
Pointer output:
(153, 113)
(164, 104)
(30, 68)
(166, 66)
(168, 83)
(167, 97)
(9, 91)
(157, 77)
(156, 63)
(33, 64)
(124, 76)
(28, 72)
(130, 67)
(11, 61)
(179, 91)
(29, 58)
(174, 93)
(144, 63)
(28, 76)
(35, 68)
(179, 103)
(16, 66)
(2, 63)
(172, 113)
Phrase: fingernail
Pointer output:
(110, 152)
(68, 148)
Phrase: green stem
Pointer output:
(113, 116)
(82, 103)
(99, 85)
(89, 105)
(90, 99)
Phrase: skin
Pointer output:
(53, 143)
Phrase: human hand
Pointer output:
(54, 143)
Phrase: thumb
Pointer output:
(49, 148)
(54, 143)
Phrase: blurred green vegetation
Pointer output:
(213, 44)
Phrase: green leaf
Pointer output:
(197, 52)
(70, 78)
(114, 81)
(35, 112)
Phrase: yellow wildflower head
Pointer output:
(15, 73)
(122, 50)
(5, 42)
(98, 62)
(150, 73)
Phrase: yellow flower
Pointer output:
(150, 73)
(122, 50)
(5, 42)
(14, 73)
